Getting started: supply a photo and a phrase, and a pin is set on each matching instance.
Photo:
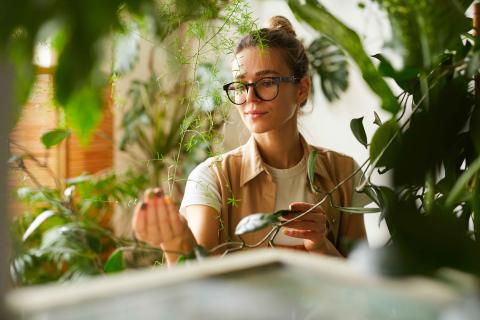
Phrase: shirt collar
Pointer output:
(252, 162)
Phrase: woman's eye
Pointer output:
(238, 87)
(267, 83)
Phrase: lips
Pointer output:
(255, 114)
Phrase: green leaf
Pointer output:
(475, 127)
(115, 262)
(200, 252)
(321, 20)
(475, 200)
(385, 144)
(36, 223)
(20, 50)
(312, 157)
(54, 137)
(387, 199)
(255, 222)
(377, 120)
(358, 210)
(459, 187)
(84, 112)
(356, 125)
(406, 79)
(330, 63)
(373, 193)
(419, 29)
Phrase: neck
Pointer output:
(280, 149)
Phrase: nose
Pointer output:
(251, 96)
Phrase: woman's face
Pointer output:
(252, 64)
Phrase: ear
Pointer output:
(303, 90)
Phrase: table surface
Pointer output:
(260, 284)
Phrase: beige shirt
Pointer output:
(244, 184)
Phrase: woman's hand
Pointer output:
(157, 222)
(311, 227)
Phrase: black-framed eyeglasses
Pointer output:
(265, 89)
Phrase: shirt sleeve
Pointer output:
(359, 199)
(201, 188)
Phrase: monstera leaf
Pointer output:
(330, 63)
(319, 18)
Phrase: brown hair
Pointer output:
(279, 34)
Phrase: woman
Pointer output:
(266, 174)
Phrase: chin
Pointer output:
(258, 129)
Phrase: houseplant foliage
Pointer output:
(65, 233)
(78, 31)
(432, 141)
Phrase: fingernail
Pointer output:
(168, 200)
(150, 195)
(143, 206)
(159, 193)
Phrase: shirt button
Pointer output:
(334, 221)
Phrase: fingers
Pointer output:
(304, 206)
(162, 216)
(178, 225)
(157, 220)
(317, 215)
(307, 226)
(154, 236)
(302, 234)
(139, 223)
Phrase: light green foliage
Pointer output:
(62, 234)
(173, 118)
(176, 120)
(54, 137)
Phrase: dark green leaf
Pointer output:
(54, 137)
(420, 31)
(115, 262)
(358, 210)
(330, 63)
(406, 79)
(432, 132)
(320, 19)
(373, 193)
(200, 252)
(385, 144)
(312, 158)
(387, 203)
(356, 125)
(475, 128)
(475, 200)
(255, 222)
(377, 120)
(459, 187)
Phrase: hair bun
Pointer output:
(281, 23)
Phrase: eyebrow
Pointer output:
(259, 73)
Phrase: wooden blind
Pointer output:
(69, 159)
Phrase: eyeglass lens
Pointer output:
(265, 89)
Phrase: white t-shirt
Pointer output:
(201, 188)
